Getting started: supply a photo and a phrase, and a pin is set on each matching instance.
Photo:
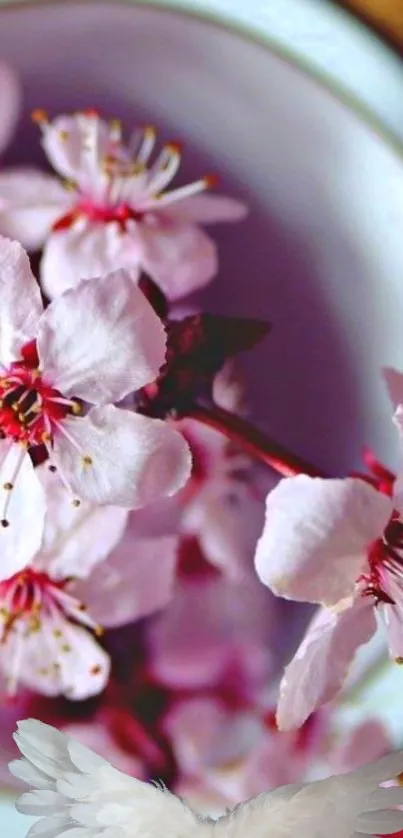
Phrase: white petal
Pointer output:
(71, 663)
(83, 251)
(24, 508)
(30, 203)
(133, 460)
(135, 581)
(320, 665)
(180, 257)
(20, 300)
(10, 98)
(75, 538)
(314, 542)
(76, 146)
(101, 340)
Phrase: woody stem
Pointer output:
(253, 441)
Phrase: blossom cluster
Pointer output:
(140, 578)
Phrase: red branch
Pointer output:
(253, 441)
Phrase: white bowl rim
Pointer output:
(309, 44)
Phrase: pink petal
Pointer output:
(136, 580)
(227, 518)
(24, 507)
(73, 664)
(30, 203)
(207, 209)
(101, 340)
(206, 735)
(75, 538)
(398, 485)
(83, 251)
(10, 98)
(319, 667)
(364, 744)
(227, 627)
(20, 300)
(133, 460)
(180, 257)
(394, 383)
(314, 542)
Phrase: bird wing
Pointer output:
(78, 794)
(347, 806)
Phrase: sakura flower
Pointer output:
(88, 571)
(338, 543)
(228, 629)
(114, 210)
(233, 754)
(222, 502)
(96, 343)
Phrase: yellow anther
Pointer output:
(76, 408)
(87, 460)
(39, 116)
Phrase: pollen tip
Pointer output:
(96, 670)
(211, 180)
(76, 502)
(76, 408)
(99, 631)
(8, 487)
(4, 523)
(174, 146)
(39, 116)
(52, 469)
(87, 460)
(399, 660)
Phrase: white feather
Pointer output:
(79, 795)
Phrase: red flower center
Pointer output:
(25, 595)
(385, 554)
(121, 213)
(28, 406)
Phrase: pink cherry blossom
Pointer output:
(114, 210)
(230, 755)
(10, 98)
(228, 630)
(223, 501)
(88, 571)
(338, 543)
(94, 344)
